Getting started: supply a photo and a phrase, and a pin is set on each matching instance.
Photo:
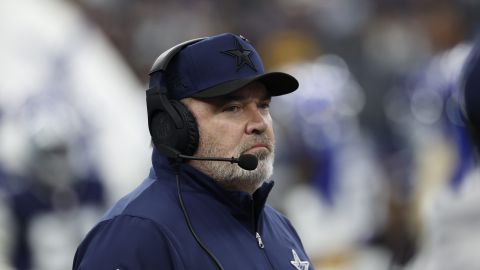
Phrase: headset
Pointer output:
(172, 126)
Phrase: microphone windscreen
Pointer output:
(248, 162)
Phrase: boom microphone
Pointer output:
(246, 161)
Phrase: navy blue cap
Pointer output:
(218, 65)
(471, 87)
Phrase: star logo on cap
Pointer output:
(242, 55)
(299, 264)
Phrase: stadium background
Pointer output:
(374, 166)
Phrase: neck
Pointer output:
(237, 186)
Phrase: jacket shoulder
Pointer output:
(152, 199)
(136, 233)
(127, 242)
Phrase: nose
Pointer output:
(257, 123)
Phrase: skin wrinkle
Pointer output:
(229, 133)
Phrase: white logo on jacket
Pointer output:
(299, 265)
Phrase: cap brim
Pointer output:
(276, 83)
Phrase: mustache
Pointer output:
(259, 139)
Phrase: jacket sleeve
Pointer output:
(126, 243)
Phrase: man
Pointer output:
(203, 214)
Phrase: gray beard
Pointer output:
(231, 176)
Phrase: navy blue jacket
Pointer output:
(146, 230)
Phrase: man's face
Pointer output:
(232, 125)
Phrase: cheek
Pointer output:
(229, 133)
(271, 135)
(225, 134)
(269, 132)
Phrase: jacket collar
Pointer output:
(193, 180)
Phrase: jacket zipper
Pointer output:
(259, 240)
(258, 237)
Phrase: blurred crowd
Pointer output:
(374, 165)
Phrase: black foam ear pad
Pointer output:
(164, 131)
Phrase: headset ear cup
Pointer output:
(165, 133)
(188, 143)
(162, 130)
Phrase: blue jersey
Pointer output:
(30, 207)
(147, 228)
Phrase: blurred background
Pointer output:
(374, 166)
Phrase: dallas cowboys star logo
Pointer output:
(242, 55)
(299, 265)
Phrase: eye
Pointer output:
(232, 108)
(264, 105)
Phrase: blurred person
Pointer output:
(62, 57)
(454, 214)
(333, 174)
(430, 153)
(208, 97)
(425, 112)
(58, 195)
(65, 57)
(451, 215)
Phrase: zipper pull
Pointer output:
(259, 240)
